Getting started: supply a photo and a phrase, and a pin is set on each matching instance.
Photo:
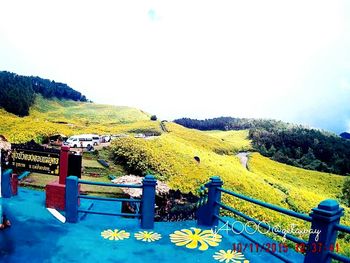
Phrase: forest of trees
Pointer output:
(230, 123)
(287, 143)
(17, 93)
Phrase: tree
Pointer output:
(298, 145)
(263, 150)
(346, 192)
(298, 153)
(308, 158)
(272, 150)
(17, 93)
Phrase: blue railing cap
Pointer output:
(329, 205)
(149, 179)
(7, 171)
(328, 209)
(216, 180)
(150, 176)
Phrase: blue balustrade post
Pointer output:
(206, 214)
(324, 219)
(6, 189)
(148, 201)
(72, 199)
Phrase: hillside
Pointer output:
(171, 158)
(54, 116)
(17, 93)
(287, 143)
(238, 139)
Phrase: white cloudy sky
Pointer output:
(288, 60)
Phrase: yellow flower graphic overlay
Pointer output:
(230, 256)
(115, 234)
(147, 236)
(191, 238)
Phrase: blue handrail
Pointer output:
(107, 214)
(336, 256)
(111, 184)
(23, 175)
(5, 181)
(262, 224)
(276, 254)
(339, 257)
(147, 201)
(324, 218)
(270, 206)
(109, 198)
(343, 228)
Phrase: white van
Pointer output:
(95, 139)
(83, 140)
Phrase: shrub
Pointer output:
(346, 192)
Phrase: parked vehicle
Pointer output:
(105, 138)
(95, 139)
(83, 140)
(140, 135)
(116, 136)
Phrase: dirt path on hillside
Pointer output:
(163, 127)
(243, 157)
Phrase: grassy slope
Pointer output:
(292, 181)
(238, 139)
(80, 112)
(171, 155)
(75, 117)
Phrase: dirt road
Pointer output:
(243, 157)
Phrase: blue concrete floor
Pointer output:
(36, 236)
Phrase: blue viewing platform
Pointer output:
(37, 236)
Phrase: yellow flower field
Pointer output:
(184, 158)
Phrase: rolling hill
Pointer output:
(171, 156)
(17, 93)
(54, 116)
(288, 143)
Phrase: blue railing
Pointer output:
(203, 196)
(325, 218)
(6, 190)
(147, 201)
(345, 229)
(108, 198)
(270, 206)
(23, 175)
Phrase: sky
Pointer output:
(286, 60)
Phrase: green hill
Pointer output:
(17, 93)
(292, 144)
(53, 116)
(171, 156)
(238, 139)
